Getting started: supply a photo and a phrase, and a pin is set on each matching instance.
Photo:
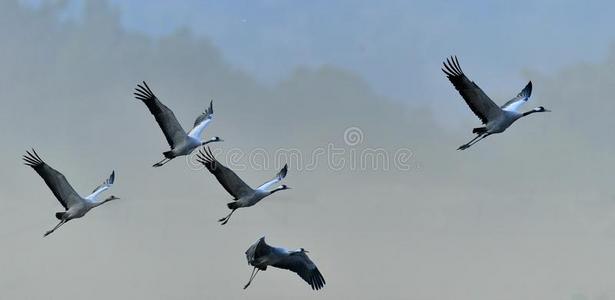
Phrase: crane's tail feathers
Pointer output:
(60, 215)
(232, 205)
(168, 154)
(479, 130)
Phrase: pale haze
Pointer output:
(527, 214)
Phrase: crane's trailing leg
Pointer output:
(474, 141)
(54, 229)
(228, 217)
(468, 144)
(251, 277)
(162, 162)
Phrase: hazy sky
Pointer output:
(496, 39)
(528, 214)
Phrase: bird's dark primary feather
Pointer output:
(107, 181)
(173, 131)
(301, 264)
(523, 95)
(58, 184)
(482, 106)
(227, 178)
(283, 172)
(208, 114)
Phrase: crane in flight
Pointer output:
(74, 205)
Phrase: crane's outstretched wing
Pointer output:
(515, 103)
(103, 187)
(301, 264)
(227, 178)
(58, 184)
(256, 250)
(171, 128)
(265, 186)
(202, 121)
(482, 106)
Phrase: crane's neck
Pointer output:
(535, 110)
(95, 203)
(280, 188)
(527, 113)
(203, 143)
(275, 190)
(214, 139)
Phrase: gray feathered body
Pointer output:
(243, 194)
(77, 211)
(74, 205)
(181, 142)
(260, 255)
(184, 148)
(503, 121)
(249, 200)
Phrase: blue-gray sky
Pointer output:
(527, 214)
(396, 45)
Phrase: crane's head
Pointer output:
(111, 198)
(280, 188)
(541, 109)
(536, 110)
(212, 140)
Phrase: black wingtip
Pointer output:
(36, 154)
(527, 90)
(452, 67)
(206, 157)
(32, 158)
(283, 172)
(201, 157)
(143, 92)
(317, 281)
